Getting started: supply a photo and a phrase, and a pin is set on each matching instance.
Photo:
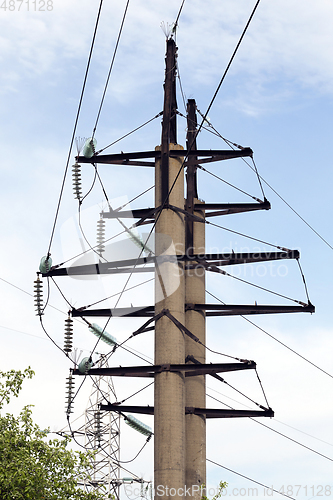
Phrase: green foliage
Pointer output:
(13, 383)
(32, 467)
(221, 486)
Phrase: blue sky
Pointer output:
(277, 99)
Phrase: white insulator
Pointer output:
(68, 343)
(76, 169)
(38, 295)
(70, 382)
(100, 236)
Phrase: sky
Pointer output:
(276, 99)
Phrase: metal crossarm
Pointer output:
(208, 155)
(127, 266)
(188, 369)
(207, 412)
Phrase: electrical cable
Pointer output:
(86, 239)
(275, 419)
(129, 133)
(133, 199)
(48, 296)
(135, 393)
(110, 70)
(115, 294)
(303, 278)
(215, 269)
(53, 341)
(229, 64)
(260, 177)
(136, 456)
(247, 236)
(109, 239)
(228, 183)
(181, 86)
(274, 338)
(249, 479)
(280, 433)
(262, 388)
(178, 16)
(75, 126)
(293, 440)
(186, 155)
(91, 187)
(24, 333)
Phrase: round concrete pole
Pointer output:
(195, 387)
(169, 400)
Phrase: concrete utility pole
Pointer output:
(169, 401)
(180, 442)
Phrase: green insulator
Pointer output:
(38, 296)
(138, 426)
(105, 336)
(45, 264)
(89, 148)
(138, 241)
(85, 365)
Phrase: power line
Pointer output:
(280, 433)
(247, 236)
(111, 66)
(179, 12)
(275, 419)
(249, 479)
(229, 64)
(274, 338)
(129, 133)
(226, 182)
(197, 132)
(75, 126)
(260, 177)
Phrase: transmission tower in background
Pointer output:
(101, 432)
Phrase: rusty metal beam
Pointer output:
(210, 154)
(208, 412)
(188, 369)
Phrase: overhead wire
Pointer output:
(249, 479)
(111, 67)
(280, 433)
(274, 338)
(197, 132)
(129, 133)
(229, 64)
(112, 237)
(226, 182)
(215, 269)
(275, 419)
(261, 178)
(75, 126)
(247, 236)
